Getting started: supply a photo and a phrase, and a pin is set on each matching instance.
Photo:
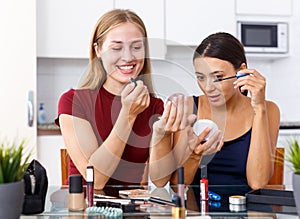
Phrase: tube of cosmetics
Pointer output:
(181, 192)
(90, 185)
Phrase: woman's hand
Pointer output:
(200, 146)
(175, 116)
(135, 98)
(255, 83)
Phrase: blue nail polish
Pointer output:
(214, 204)
(213, 196)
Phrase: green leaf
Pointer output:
(13, 161)
(293, 154)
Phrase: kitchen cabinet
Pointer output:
(264, 7)
(64, 28)
(152, 14)
(18, 69)
(49, 156)
(189, 22)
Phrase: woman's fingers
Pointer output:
(135, 97)
(179, 113)
(255, 83)
(212, 145)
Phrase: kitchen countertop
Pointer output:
(53, 129)
(290, 125)
(48, 129)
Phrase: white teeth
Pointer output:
(127, 67)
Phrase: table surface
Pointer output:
(56, 205)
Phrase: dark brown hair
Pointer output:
(223, 46)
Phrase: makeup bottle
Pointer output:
(90, 185)
(178, 211)
(181, 192)
(76, 195)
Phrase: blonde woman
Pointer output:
(107, 121)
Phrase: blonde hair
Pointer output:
(96, 74)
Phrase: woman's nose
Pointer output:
(210, 85)
(127, 55)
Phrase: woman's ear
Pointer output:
(243, 66)
(97, 49)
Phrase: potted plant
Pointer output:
(293, 157)
(13, 165)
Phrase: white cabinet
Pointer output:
(49, 156)
(18, 68)
(189, 22)
(264, 7)
(152, 14)
(64, 28)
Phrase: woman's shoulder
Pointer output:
(272, 106)
(273, 110)
(83, 96)
(78, 91)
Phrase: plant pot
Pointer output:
(296, 188)
(11, 199)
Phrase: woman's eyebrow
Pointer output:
(214, 72)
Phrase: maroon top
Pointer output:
(101, 109)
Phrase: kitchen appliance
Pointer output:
(263, 37)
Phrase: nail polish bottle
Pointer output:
(76, 194)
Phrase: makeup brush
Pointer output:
(235, 76)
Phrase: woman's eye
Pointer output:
(200, 77)
(219, 76)
(116, 48)
(137, 47)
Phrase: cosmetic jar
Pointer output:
(76, 194)
(237, 200)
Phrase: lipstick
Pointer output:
(90, 185)
(181, 192)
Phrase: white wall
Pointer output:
(175, 74)
(284, 78)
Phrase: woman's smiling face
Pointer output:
(208, 70)
(122, 53)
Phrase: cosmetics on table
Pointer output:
(90, 185)
(178, 211)
(181, 192)
(204, 184)
(76, 195)
(213, 196)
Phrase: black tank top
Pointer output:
(228, 166)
